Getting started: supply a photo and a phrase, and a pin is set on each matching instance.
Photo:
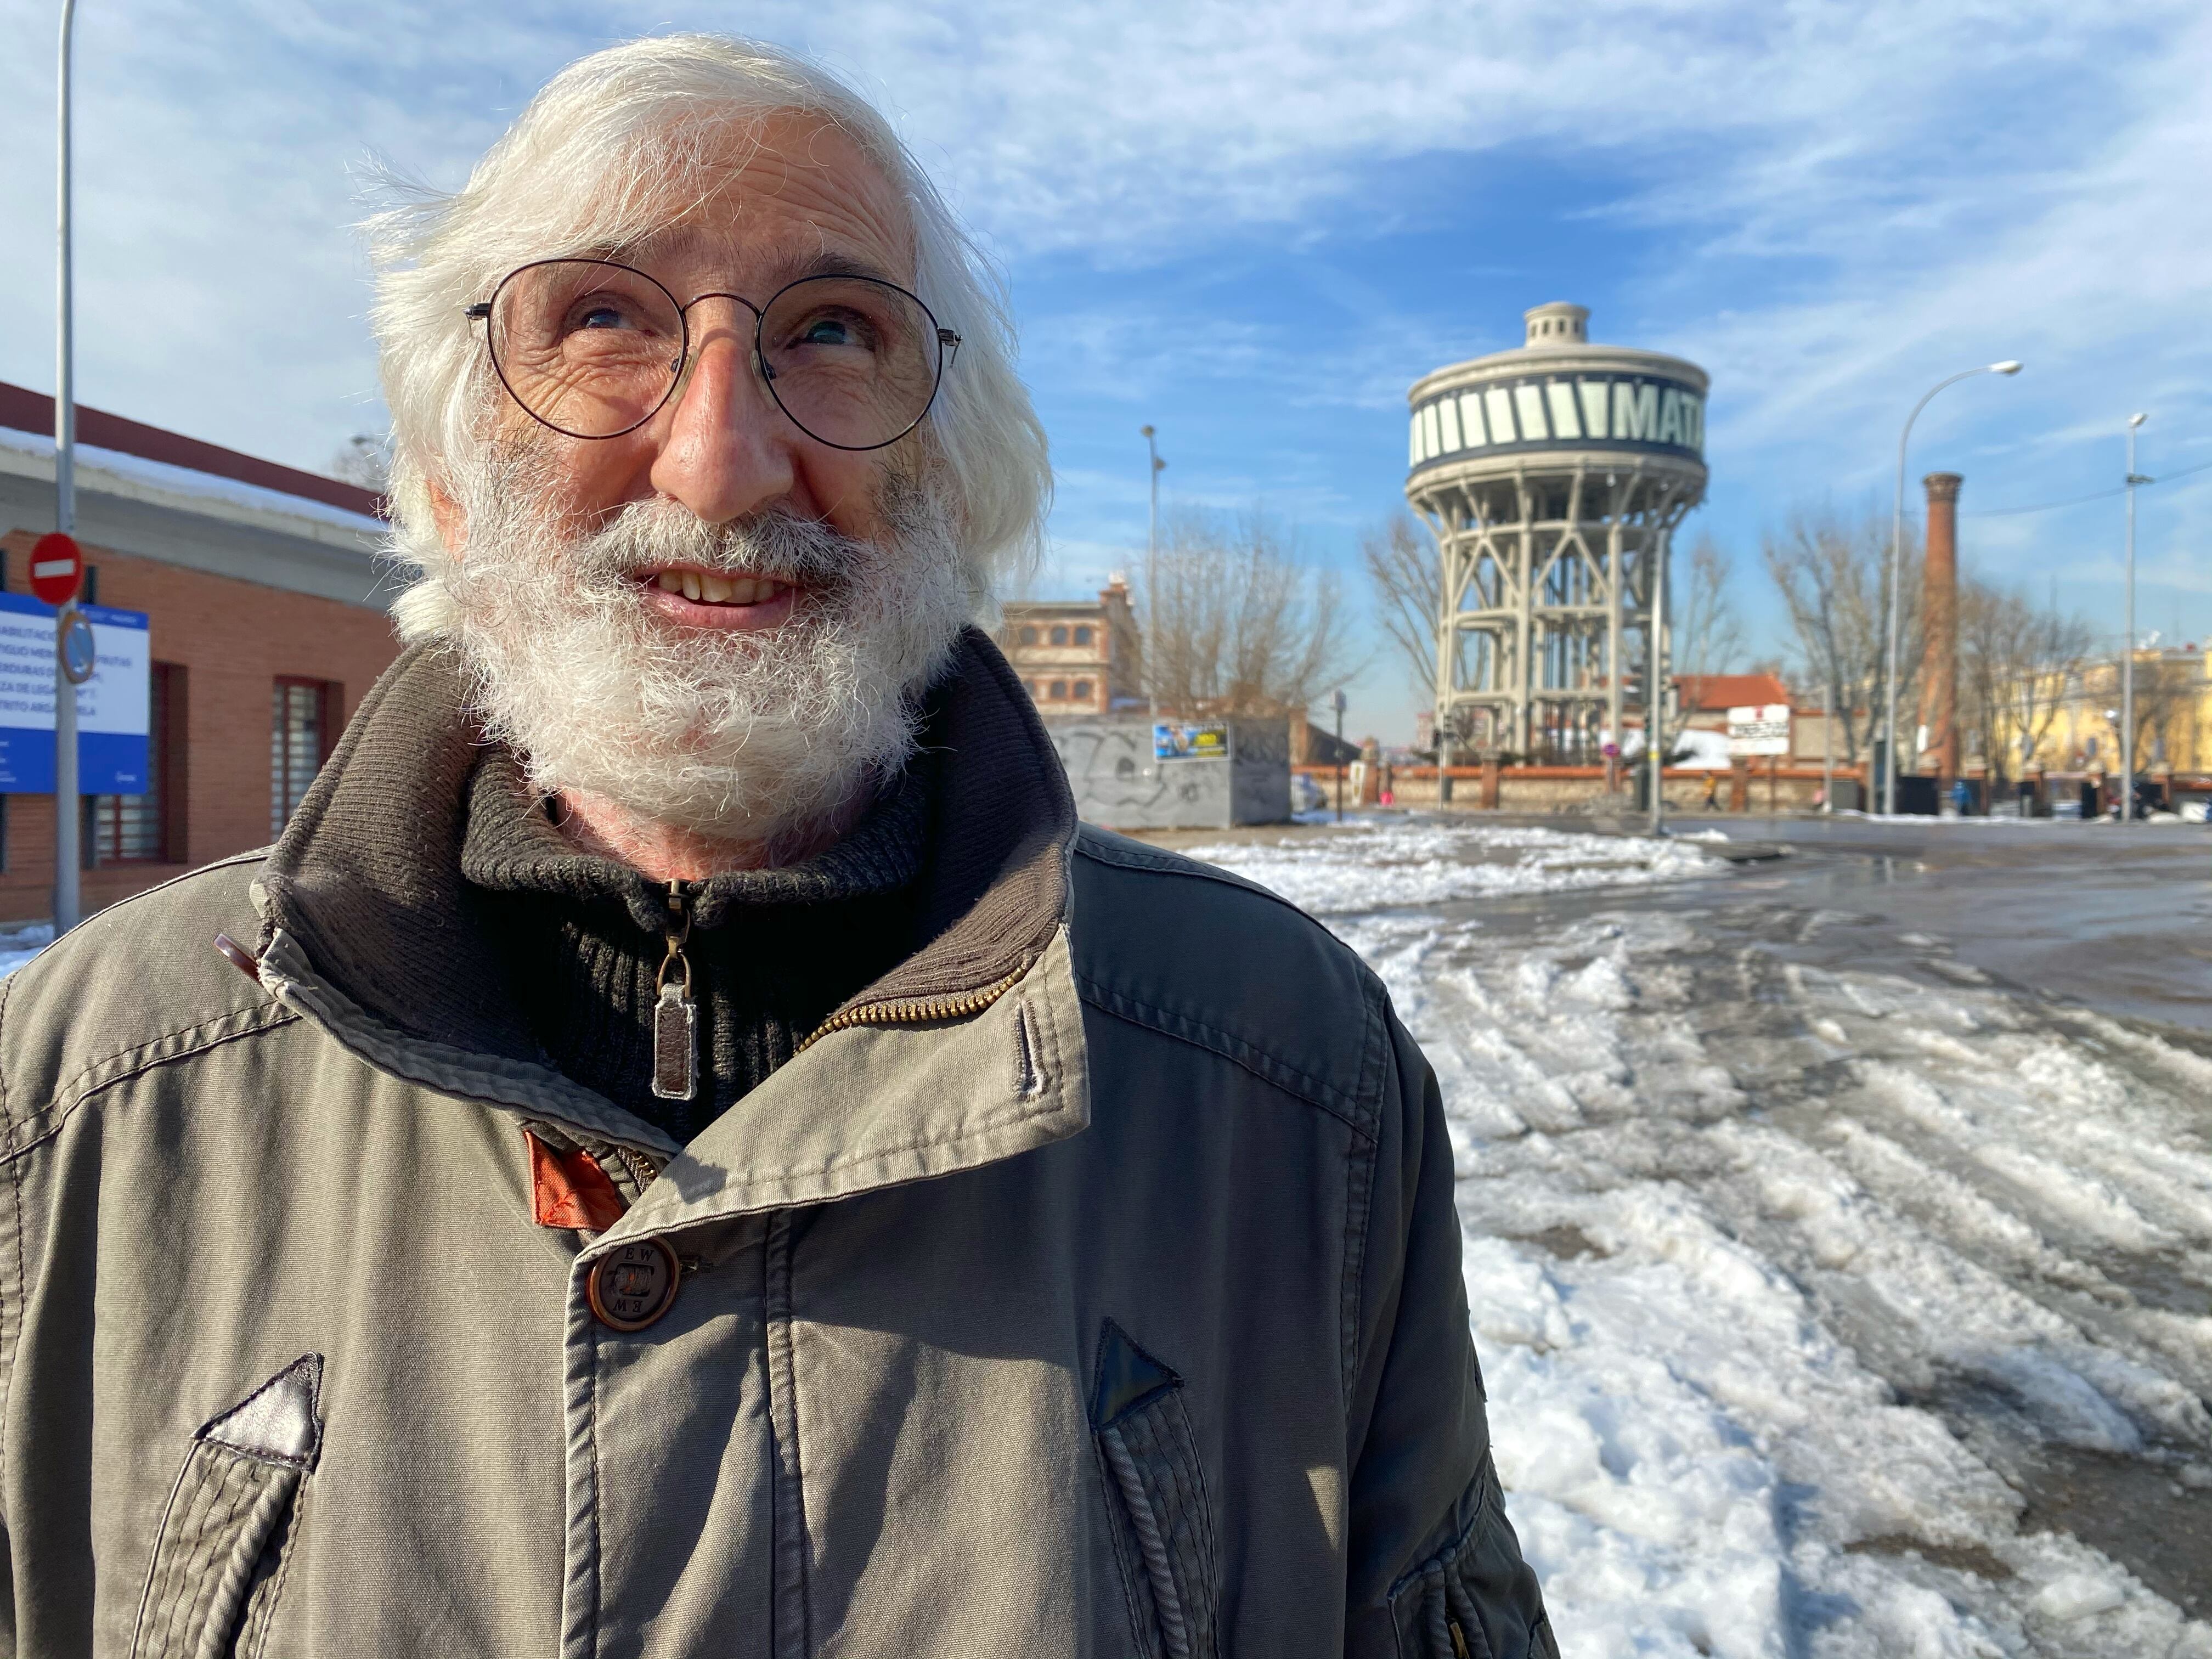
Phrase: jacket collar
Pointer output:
(370, 927)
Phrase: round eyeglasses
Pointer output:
(593, 350)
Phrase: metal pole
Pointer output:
(1828, 749)
(2127, 644)
(1896, 549)
(67, 804)
(1151, 561)
(1340, 756)
(1655, 719)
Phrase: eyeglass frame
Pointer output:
(481, 310)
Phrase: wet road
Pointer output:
(2116, 920)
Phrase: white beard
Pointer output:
(757, 738)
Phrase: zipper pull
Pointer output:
(675, 1016)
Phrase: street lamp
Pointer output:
(1896, 546)
(2128, 642)
(68, 806)
(1151, 561)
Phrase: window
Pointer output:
(1059, 636)
(299, 742)
(1059, 690)
(148, 829)
(1029, 636)
(1082, 635)
(1083, 691)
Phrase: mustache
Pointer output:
(647, 535)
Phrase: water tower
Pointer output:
(1553, 477)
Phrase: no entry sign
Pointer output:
(57, 568)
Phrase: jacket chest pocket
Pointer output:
(218, 1558)
(1162, 1527)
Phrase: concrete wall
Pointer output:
(1118, 784)
(1260, 779)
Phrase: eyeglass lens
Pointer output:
(593, 350)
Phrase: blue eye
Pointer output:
(600, 316)
(826, 330)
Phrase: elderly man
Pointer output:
(704, 1155)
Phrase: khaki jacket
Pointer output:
(1090, 1285)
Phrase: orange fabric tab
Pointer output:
(571, 1189)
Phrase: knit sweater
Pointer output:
(773, 953)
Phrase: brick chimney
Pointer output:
(1938, 613)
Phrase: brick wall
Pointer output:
(234, 639)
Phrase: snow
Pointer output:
(1383, 863)
(19, 945)
(1786, 1280)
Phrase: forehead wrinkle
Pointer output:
(802, 202)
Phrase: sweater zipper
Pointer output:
(675, 1015)
(917, 1010)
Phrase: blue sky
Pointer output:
(1254, 225)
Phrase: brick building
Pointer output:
(1077, 656)
(267, 613)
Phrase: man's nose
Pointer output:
(728, 452)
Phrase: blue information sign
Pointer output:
(112, 706)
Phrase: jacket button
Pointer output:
(632, 1285)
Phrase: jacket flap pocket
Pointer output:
(1474, 1598)
(1170, 1565)
(238, 1482)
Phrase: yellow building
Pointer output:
(2071, 723)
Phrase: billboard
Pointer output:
(1175, 742)
(1758, 729)
(112, 706)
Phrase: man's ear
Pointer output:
(453, 523)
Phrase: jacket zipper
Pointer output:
(675, 1016)
(920, 1011)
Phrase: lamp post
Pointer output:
(1655, 717)
(67, 806)
(1896, 549)
(1152, 558)
(2128, 642)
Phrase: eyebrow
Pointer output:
(830, 263)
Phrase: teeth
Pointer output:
(706, 587)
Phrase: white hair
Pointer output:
(595, 162)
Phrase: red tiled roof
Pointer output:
(27, 410)
(1703, 691)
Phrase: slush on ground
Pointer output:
(1838, 1293)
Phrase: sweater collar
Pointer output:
(511, 845)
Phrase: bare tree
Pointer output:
(1406, 574)
(2015, 661)
(1704, 635)
(1235, 623)
(1832, 570)
(366, 460)
(2167, 686)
